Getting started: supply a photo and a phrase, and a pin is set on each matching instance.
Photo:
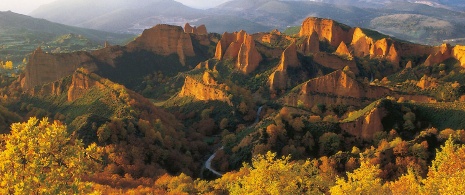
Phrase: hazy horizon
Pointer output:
(27, 6)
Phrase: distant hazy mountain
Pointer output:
(419, 21)
(20, 35)
(117, 15)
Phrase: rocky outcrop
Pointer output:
(201, 91)
(311, 44)
(367, 125)
(278, 79)
(335, 62)
(459, 53)
(427, 82)
(80, 84)
(327, 29)
(361, 43)
(45, 67)
(335, 88)
(239, 46)
(200, 30)
(343, 51)
(165, 40)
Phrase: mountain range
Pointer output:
(409, 20)
(21, 34)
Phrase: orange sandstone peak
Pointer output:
(311, 44)
(239, 46)
(459, 53)
(165, 40)
(202, 91)
(343, 51)
(289, 57)
(327, 29)
(278, 79)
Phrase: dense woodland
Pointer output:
(137, 119)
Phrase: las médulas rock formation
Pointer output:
(239, 46)
(165, 40)
(366, 125)
(162, 40)
(326, 29)
(278, 79)
(459, 53)
(203, 91)
(311, 44)
(200, 30)
(335, 88)
(343, 51)
(44, 67)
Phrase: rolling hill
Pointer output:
(21, 34)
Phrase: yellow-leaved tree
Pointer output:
(364, 180)
(41, 158)
(271, 175)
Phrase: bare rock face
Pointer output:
(239, 46)
(202, 91)
(208, 79)
(459, 53)
(409, 64)
(44, 67)
(335, 62)
(200, 30)
(165, 40)
(343, 51)
(335, 88)
(427, 82)
(366, 126)
(361, 43)
(311, 44)
(327, 29)
(289, 57)
(81, 82)
(278, 79)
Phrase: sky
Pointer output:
(26, 6)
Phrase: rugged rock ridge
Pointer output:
(165, 40)
(335, 62)
(278, 79)
(239, 46)
(366, 125)
(327, 29)
(459, 53)
(81, 83)
(343, 51)
(334, 88)
(45, 67)
(200, 30)
(311, 44)
(202, 91)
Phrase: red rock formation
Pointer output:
(335, 88)
(393, 57)
(459, 53)
(409, 65)
(241, 47)
(367, 125)
(427, 82)
(278, 79)
(44, 67)
(343, 51)
(201, 91)
(200, 30)
(289, 57)
(208, 79)
(81, 82)
(165, 40)
(361, 43)
(335, 62)
(311, 44)
(327, 29)
(444, 53)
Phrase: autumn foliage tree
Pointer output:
(41, 158)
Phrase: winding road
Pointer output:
(208, 163)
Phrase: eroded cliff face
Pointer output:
(343, 51)
(81, 83)
(200, 30)
(45, 67)
(327, 29)
(278, 79)
(459, 53)
(335, 88)
(165, 40)
(367, 125)
(202, 91)
(335, 62)
(311, 44)
(240, 47)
